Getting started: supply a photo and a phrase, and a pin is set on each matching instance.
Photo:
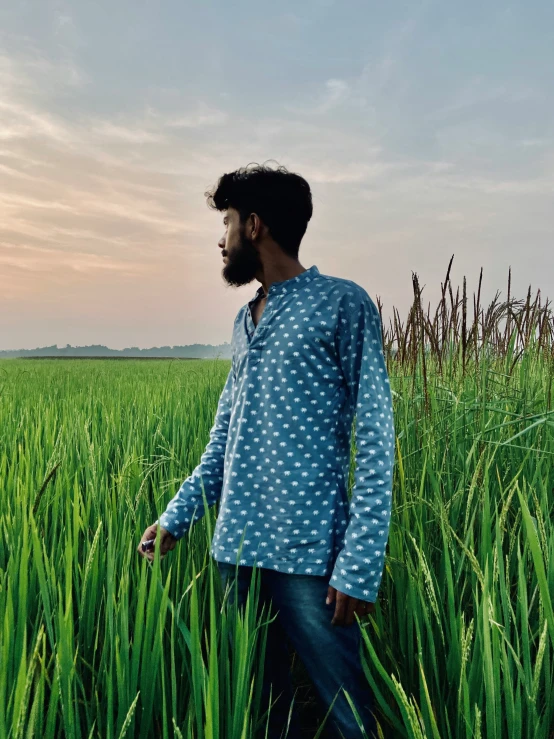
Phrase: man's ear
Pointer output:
(257, 226)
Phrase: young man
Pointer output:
(307, 359)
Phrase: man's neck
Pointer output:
(279, 272)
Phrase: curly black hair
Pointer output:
(281, 199)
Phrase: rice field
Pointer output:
(97, 642)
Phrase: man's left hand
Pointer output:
(346, 607)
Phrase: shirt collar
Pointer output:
(289, 286)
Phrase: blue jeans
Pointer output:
(330, 654)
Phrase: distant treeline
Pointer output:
(192, 351)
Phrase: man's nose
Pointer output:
(221, 242)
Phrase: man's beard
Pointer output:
(244, 264)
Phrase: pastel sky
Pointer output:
(425, 129)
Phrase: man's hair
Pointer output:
(281, 199)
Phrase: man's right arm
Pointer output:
(180, 512)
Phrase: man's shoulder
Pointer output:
(342, 289)
(335, 288)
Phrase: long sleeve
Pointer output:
(180, 514)
(359, 566)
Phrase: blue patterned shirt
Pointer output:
(278, 457)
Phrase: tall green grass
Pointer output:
(97, 642)
(94, 640)
(462, 642)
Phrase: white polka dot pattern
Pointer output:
(278, 457)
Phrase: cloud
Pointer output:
(32, 72)
(361, 91)
(21, 121)
(353, 172)
(74, 188)
(35, 259)
(336, 91)
(520, 186)
(203, 116)
(526, 143)
(479, 91)
(125, 134)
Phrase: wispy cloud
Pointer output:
(48, 260)
(130, 135)
(202, 116)
(73, 188)
(336, 91)
(21, 121)
(478, 91)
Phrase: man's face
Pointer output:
(241, 258)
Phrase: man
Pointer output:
(307, 360)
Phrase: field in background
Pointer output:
(96, 642)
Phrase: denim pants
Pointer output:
(330, 654)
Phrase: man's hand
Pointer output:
(167, 542)
(346, 607)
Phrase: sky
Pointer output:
(425, 130)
